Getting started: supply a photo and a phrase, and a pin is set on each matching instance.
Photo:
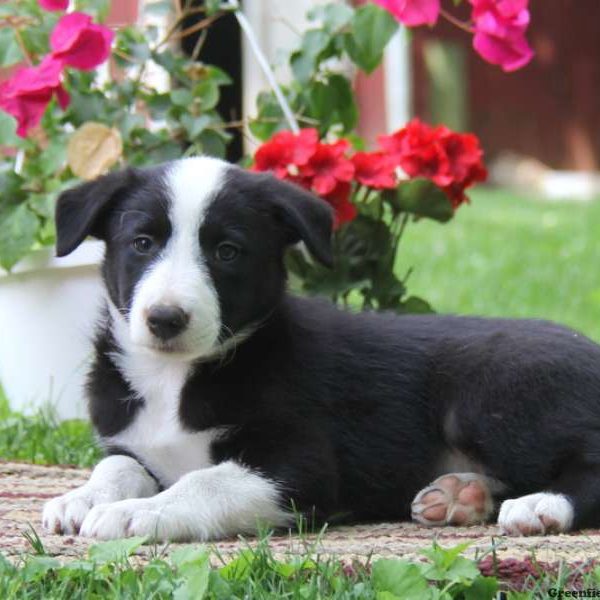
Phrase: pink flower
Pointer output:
(412, 12)
(54, 4)
(79, 43)
(29, 91)
(500, 32)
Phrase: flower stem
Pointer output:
(22, 46)
(457, 22)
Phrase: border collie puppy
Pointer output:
(222, 401)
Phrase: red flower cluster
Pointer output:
(317, 166)
(453, 161)
(75, 42)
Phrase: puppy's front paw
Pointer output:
(536, 514)
(66, 513)
(136, 517)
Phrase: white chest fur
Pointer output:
(155, 435)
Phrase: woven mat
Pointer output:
(24, 488)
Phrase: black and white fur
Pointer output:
(244, 400)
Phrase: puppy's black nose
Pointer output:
(165, 322)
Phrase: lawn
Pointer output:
(505, 255)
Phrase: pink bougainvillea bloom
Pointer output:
(29, 91)
(412, 12)
(80, 43)
(54, 4)
(500, 27)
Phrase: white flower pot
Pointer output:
(48, 308)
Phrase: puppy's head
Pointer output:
(194, 248)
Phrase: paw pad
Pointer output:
(455, 499)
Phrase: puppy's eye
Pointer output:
(143, 244)
(226, 252)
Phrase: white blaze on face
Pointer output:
(180, 277)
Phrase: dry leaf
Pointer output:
(93, 149)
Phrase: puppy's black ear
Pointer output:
(307, 218)
(79, 210)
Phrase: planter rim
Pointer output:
(90, 253)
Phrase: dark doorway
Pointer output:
(222, 48)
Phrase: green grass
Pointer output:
(110, 571)
(508, 256)
(43, 439)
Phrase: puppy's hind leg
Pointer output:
(454, 499)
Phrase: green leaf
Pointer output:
(304, 62)
(268, 108)
(35, 39)
(86, 107)
(182, 97)
(11, 188)
(482, 588)
(219, 587)
(42, 204)
(194, 126)
(372, 28)
(98, 8)
(239, 568)
(217, 75)
(10, 51)
(54, 157)
(37, 566)
(207, 92)
(333, 16)
(115, 550)
(399, 578)
(415, 305)
(212, 143)
(8, 130)
(448, 565)
(332, 102)
(194, 567)
(18, 228)
(189, 555)
(420, 197)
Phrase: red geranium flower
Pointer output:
(327, 167)
(80, 43)
(29, 91)
(285, 152)
(339, 199)
(374, 169)
(453, 161)
(418, 151)
(465, 158)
